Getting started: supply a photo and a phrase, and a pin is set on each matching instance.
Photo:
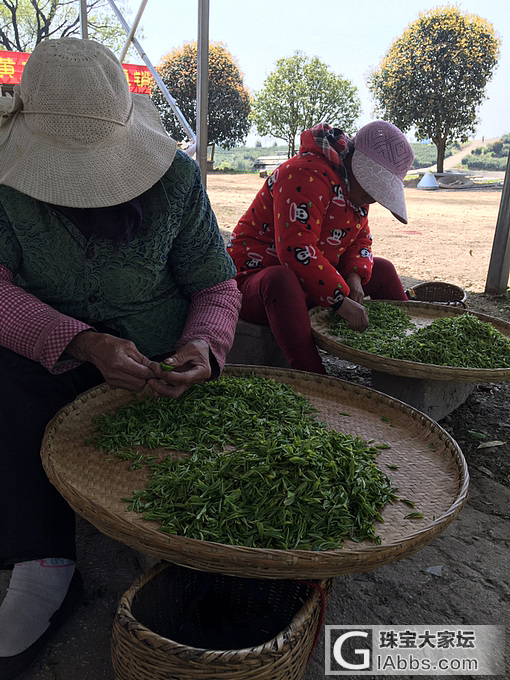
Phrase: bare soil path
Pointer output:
(448, 238)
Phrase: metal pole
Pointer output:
(499, 266)
(173, 105)
(83, 19)
(202, 85)
(133, 30)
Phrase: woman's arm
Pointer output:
(301, 196)
(357, 257)
(34, 329)
(203, 346)
(205, 273)
(212, 317)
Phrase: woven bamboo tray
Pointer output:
(263, 629)
(423, 314)
(431, 471)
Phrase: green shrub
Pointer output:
(226, 167)
(491, 157)
(484, 162)
(496, 148)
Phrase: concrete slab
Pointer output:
(435, 398)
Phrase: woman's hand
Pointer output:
(191, 366)
(354, 313)
(356, 293)
(119, 361)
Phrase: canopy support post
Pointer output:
(83, 20)
(499, 266)
(202, 85)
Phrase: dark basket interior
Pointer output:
(436, 291)
(216, 611)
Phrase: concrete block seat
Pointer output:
(435, 398)
(255, 345)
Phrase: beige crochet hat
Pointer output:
(74, 135)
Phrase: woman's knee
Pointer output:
(281, 282)
(385, 268)
(273, 288)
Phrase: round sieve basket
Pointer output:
(182, 623)
(426, 464)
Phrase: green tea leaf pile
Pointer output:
(262, 471)
(387, 325)
(462, 341)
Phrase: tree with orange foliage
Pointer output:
(228, 98)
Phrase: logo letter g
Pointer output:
(364, 653)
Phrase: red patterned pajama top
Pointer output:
(302, 218)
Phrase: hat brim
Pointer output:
(93, 176)
(381, 184)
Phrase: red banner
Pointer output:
(12, 63)
(11, 67)
(139, 78)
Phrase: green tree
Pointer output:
(300, 93)
(25, 23)
(228, 98)
(434, 76)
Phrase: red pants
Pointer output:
(273, 296)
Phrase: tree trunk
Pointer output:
(441, 146)
(290, 152)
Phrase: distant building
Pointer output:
(265, 165)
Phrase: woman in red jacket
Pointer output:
(305, 240)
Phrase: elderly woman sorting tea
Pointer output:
(305, 239)
(111, 261)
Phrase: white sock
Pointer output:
(36, 590)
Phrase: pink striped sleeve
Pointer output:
(34, 329)
(213, 317)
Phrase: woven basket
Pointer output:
(185, 624)
(422, 314)
(438, 292)
(431, 471)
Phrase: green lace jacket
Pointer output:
(142, 291)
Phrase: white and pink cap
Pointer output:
(381, 159)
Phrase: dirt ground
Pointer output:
(448, 238)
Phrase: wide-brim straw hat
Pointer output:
(382, 157)
(74, 135)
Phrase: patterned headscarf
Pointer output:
(331, 142)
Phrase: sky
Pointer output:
(350, 37)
